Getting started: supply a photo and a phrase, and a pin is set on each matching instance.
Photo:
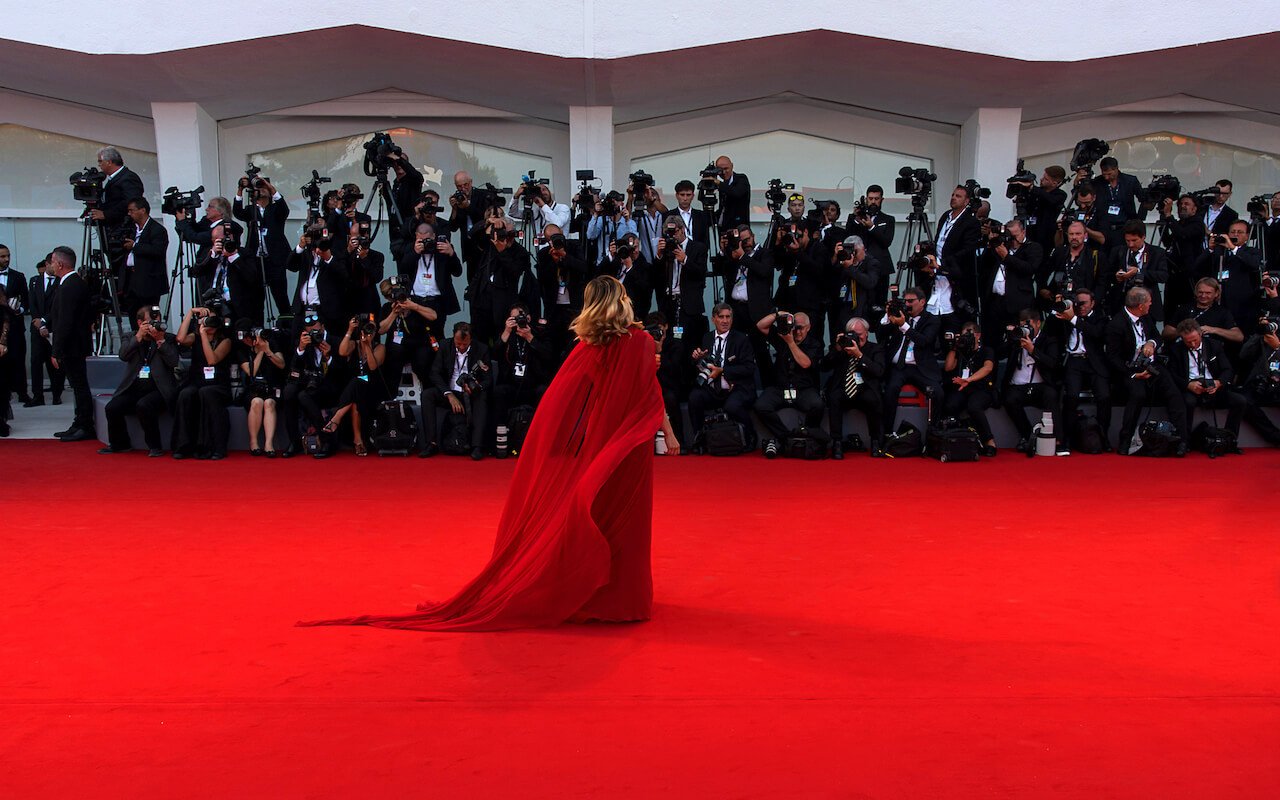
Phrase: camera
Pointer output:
(156, 318)
(311, 189)
(532, 187)
(611, 203)
(1270, 281)
(86, 185)
(788, 234)
(459, 196)
(1062, 303)
(315, 336)
(522, 320)
(776, 195)
(784, 323)
(966, 342)
(397, 291)
(977, 193)
(214, 321)
(1259, 205)
(626, 251)
(655, 331)
(1268, 324)
(174, 201)
(920, 258)
(1014, 334)
(214, 301)
(640, 180)
(844, 255)
(704, 366)
(1142, 363)
(557, 241)
(1161, 188)
(844, 340)
(1018, 188)
(711, 171)
(1000, 235)
(469, 380)
(426, 205)
(669, 241)
(349, 195)
(584, 175)
(1088, 152)
(896, 306)
(365, 326)
(252, 334)
(708, 189)
(428, 244)
(914, 180)
(1205, 197)
(377, 153)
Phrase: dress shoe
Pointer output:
(78, 435)
(989, 450)
(698, 450)
(60, 434)
(4, 429)
(24, 398)
(429, 451)
(837, 451)
(291, 451)
(109, 450)
(477, 454)
(217, 456)
(179, 455)
(57, 401)
(323, 452)
(1181, 451)
(1062, 450)
(155, 452)
(1024, 446)
(33, 402)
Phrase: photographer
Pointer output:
(1044, 205)
(524, 359)
(747, 277)
(201, 426)
(309, 381)
(322, 277)
(543, 208)
(1217, 217)
(432, 264)
(406, 321)
(1077, 264)
(1184, 237)
(41, 293)
(146, 245)
(259, 204)
(696, 221)
(1097, 227)
(496, 285)
(857, 367)
(1030, 379)
(1237, 267)
(726, 379)
(682, 270)
(460, 383)
(17, 301)
(562, 277)
(646, 212)
(1118, 193)
(427, 210)
(1007, 273)
(345, 219)
(406, 193)
(795, 208)
(467, 207)
(365, 268)
(230, 277)
(1261, 380)
(1136, 263)
(856, 278)
(610, 221)
(366, 387)
(121, 185)
(1081, 329)
(626, 263)
(263, 371)
(149, 384)
(796, 371)
(200, 233)
(734, 191)
(950, 276)
(1214, 319)
(1131, 351)
(910, 334)
(670, 359)
(969, 382)
(804, 265)
(1270, 222)
(876, 228)
(1204, 374)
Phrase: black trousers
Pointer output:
(972, 402)
(759, 343)
(808, 402)
(901, 375)
(1039, 395)
(77, 372)
(1078, 377)
(143, 399)
(671, 402)
(868, 400)
(1142, 393)
(201, 423)
(736, 403)
(558, 319)
(508, 395)
(1255, 416)
(297, 402)
(15, 362)
(417, 354)
(1226, 397)
(474, 406)
(41, 360)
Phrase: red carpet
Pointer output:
(856, 629)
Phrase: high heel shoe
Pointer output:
(360, 449)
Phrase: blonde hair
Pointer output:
(606, 311)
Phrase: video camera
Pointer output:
(611, 203)
(311, 189)
(396, 288)
(1087, 153)
(919, 258)
(1205, 197)
(776, 195)
(349, 195)
(1162, 187)
(253, 173)
(708, 189)
(174, 201)
(1018, 188)
(977, 193)
(377, 154)
(217, 305)
(86, 185)
(1259, 205)
(532, 187)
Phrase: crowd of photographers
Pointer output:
(1065, 305)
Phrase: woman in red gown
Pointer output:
(573, 541)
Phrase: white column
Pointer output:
(591, 142)
(187, 152)
(989, 153)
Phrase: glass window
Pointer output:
(35, 165)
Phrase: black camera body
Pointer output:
(625, 251)
(1088, 152)
(640, 180)
(377, 153)
(315, 336)
(86, 185)
(156, 317)
(611, 203)
(776, 195)
(1014, 334)
(784, 323)
(1017, 188)
(523, 320)
(174, 201)
(704, 366)
(217, 306)
(365, 324)
(1259, 205)
(896, 306)
(1142, 363)
(311, 189)
(469, 381)
(977, 193)
(1161, 188)
(532, 187)
(1268, 324)
(844, 340)
(914, 180)
(920, 257)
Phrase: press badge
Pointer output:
(226, 293)
(364, 378)
(145, 372)
(964, 373)
(857, 378)
(397, 337)
(208, 373)
(792, 280)
(844, 292)
(1031, 221)
(1113, 210)
(519, 370)
(789, 395)
(1222, 275)
(677, 332)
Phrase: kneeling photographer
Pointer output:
(227, 276)
(1203, 372)
(459, 382)
(201, 426)
(406, 322)
(1031, 379)
(263, 370)
(1132, 342)
(366, 386)
(857, 367)
(796, 356)
(309, 383)
(524, 358)
(726, 378)
(149, 385)
(969, 381)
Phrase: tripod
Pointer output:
(180, 276)
(102, 280)
(713, 247)
(381, 192)
(260, 256)
(918, 230)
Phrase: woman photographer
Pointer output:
(367, 386)
(968, 382)
(263, 370)
(201, 426)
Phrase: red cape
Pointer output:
(573, 541)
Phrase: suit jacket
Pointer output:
(147, 278)
(243, 280)
(1125, 195)
(40, 304)
(923, 333)
(877, 238)
(405, 193)
(735, 202)
(363, 276)
(1020, 269)
(16, 286)
(449, 267)
(124, 186)
(759, 277)
(72, 319)
(739, 359)
(1084, 272)
(442, 364)
(1215, 360)
(873, 365)
(1043, 210)
(1047, 356)
(856, 286)
(1243, 281)
(572, 270)
(330, 284)
(957, 256)
(497, 281)
(1153, 271)
(458, 222)
(1122, 343)
(1221, 223)
(804, 276)
(200, 233)
(1094, 330)
(693, 283)
(163, 361)
(270, 220)
(638, 282)
(699, 224)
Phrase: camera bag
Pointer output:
(1087, 435)
(518, 420)
(395, 428)
(1159, 439)
(722, 436)
(1214, 441)
(952, 440)
(456, 437)
(905, 442)
(807, 444)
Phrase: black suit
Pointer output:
(16, 287)
(330, 284)
(804, 275)
(1123, 196)
(698, 227)
(446, 269)
(1240, 274)
(868, 397)
(854, 290)
(474, 405)
(878, 239)
(571, 273)
(925, 374)
(1063, 273)
(1221, 223)
(1271, 242)
(735, 201)
(72, 321)
(957, 261)
(406, 191)
(688, 309)
(638, 281)
(200, 233)
(144, 283)
(1044, 360)
(495, 288)
(792, 377)
(267, 225)
(1212, 357)
(240, 278)
(1083, 371)
(466, 220)
(1122, 343)
(147, 388)
(1043, 210)
(123, 186)
(739, 362)
(41, 308)
(1184, 240)
(363, 276)
(1153, 269)
(1017, 271)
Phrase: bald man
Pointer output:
(735, 195)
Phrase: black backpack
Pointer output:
(1159, 439)
(1214, 441)
(907, 441)
(807, 444)
(395, 428)
(951, 440)
(1087, 435)
(456, 439)
(722, 436)
(518, 421)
